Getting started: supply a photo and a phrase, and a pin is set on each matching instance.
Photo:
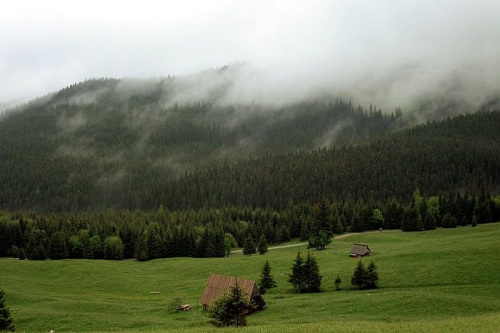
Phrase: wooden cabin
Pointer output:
(218, 284)
(359, 250)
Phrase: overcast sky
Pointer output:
(406, 47)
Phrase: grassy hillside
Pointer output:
(442, 280)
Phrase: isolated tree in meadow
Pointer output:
(297, 278)
(311, 272)
(113, 248)
(5, 318)
(358, 279)
(231, 309)
(267, 281)
(365, 278)
(249, 247)
(371, 276)
(262, 246)
(337, 282)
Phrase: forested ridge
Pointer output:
(460, 154)
(114, 143)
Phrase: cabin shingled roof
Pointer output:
(218, 284)
(360, 249)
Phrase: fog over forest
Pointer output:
(439, 55)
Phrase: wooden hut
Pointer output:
(218, 284)
(359, 250)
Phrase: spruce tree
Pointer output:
(358, 279)
(371, 276)
(267, 281)
(5, 318)
(262, 246)
(312, 276)
(249, 246)
(337, 282)
(297, 278)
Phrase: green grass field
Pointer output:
(442, 280)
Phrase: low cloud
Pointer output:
(434, 57)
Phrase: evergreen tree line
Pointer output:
(213, 233)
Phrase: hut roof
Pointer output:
(218, 284)
(360, 249)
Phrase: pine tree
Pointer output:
(249, 246)
(358, 279)
(262, 246)
(337, 282)
(267, 281)
(297, 278)
(231, 308)
(312, 276)
(371, 276)
(5, 318)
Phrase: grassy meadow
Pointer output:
(442, 280)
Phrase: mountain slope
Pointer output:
(457, 154)
(103, 143)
